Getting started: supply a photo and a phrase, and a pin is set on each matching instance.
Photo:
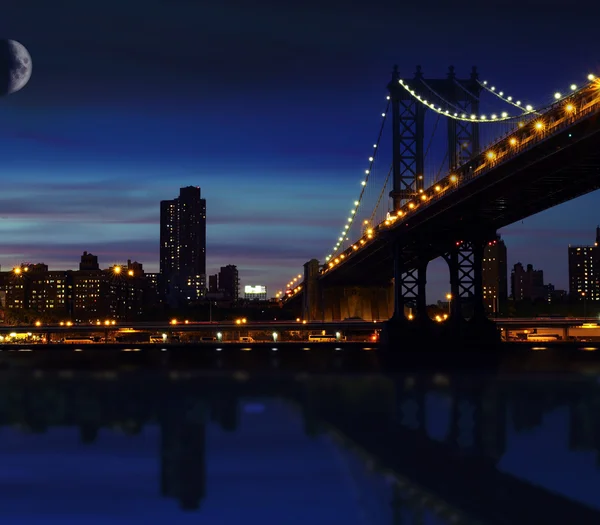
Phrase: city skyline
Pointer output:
(272, 113)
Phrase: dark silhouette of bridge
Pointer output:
(454, 479)
(551, 156)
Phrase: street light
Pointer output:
(219, 336)
(274, 337)
(583, 294)
(449, 299)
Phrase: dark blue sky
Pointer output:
(271, 108)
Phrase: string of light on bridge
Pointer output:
(294, 286)
(494, 117)
(364, 182)
(505, 98)
(490, 158)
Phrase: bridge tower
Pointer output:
(408, 127)
(463, 251)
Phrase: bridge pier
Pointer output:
(416, 330)
(465, 264)
(370, 303)
(312, 300)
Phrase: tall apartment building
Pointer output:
(183, 245)
(495, 275)
(584, 271)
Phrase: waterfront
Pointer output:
(125, 446)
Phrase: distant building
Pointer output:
(255, 293)
(183, 245)
(584, 271)
(527, 284)
(87, 295)
(494, 275)
(554, 296)
(229, 282)
(213, 283)
(88, 262)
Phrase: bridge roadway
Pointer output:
(543, 169)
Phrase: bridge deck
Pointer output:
(558, 166)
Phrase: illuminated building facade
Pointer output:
(255, 293)
(183, 245)
(584, 271)
(120, 292)
(494, 276)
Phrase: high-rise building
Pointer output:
(494, 275)
(229, 282)
(213, 283)
(584, 271)
(183, 244)
(527, 284)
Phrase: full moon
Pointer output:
(15, 66)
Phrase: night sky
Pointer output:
(271, 108)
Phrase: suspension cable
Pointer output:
(357, 203)
(381, 194)
(500, 95)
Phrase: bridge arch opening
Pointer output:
(438, 289)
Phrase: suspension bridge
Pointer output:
(424, 205)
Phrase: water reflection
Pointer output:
(413, 448)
